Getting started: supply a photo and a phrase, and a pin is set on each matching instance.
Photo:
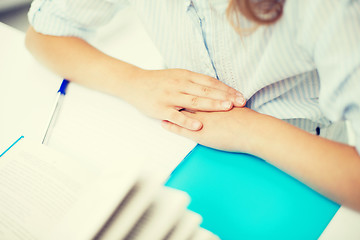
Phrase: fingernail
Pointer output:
(240, 100)
(196, 125)
(226, 104)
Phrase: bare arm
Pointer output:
(157, 93)
(76, 60)
(330, 168)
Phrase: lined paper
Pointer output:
(45, 195)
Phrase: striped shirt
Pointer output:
(305, 69)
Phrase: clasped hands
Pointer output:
(213, 113)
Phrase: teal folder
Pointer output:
(241, 196)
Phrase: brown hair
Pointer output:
(260, 12)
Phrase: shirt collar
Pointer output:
(187, 5)
(221, 5)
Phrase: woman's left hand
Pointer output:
(229, 131)
(329, 167)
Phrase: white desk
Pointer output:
(24, 84)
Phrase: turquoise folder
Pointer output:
(242, 197)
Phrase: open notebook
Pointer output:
(46, 195)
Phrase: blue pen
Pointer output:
(55, 112)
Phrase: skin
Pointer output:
(157, 93)
(328, 167)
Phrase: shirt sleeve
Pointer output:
(78, 18)
(331, 33)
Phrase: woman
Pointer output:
(298, 61)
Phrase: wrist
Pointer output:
(121, 78)
(261, 131)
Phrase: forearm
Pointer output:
(328, 167)
(156, 93)
(76, 60)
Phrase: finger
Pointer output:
(206, 91)
(213, 93)
(212, 82)
(171, 127)
(203, 104)
(239, 100)
(180, 119)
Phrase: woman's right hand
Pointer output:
(162, 94)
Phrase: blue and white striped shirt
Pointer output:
(304, 69)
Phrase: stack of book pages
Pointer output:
(44, 194)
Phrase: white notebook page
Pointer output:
(132, 208)
(100, 128)
(161, 216)
(46, 195)
(186, 227)
(203, 234)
